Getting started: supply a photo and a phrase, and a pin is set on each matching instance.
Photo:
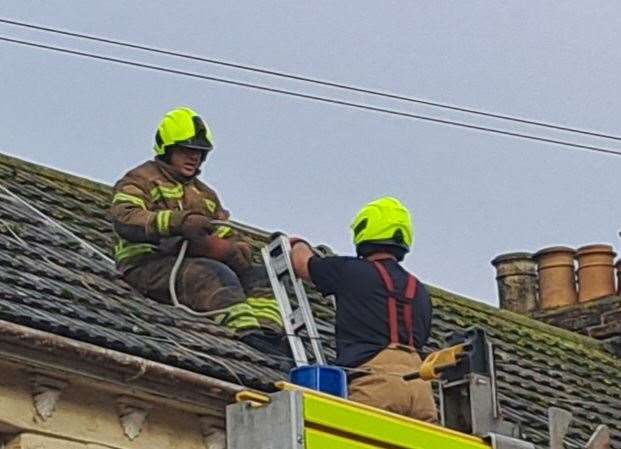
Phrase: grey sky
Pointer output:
(288, 164)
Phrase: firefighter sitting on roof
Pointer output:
(383, 313)
(161, 203)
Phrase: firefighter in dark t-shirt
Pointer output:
(383, 313)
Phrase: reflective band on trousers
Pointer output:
(224, 232)
(174, 193)
(124, 250)
(266, 309)
(163, 222)
(121, 197)
(238, 317)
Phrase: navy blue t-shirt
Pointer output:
(362, 328)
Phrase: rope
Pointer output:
(173, 274)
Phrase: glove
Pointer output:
(236, 255)
(196, 227)
(324, 251)
(223, 214)
(275, 235)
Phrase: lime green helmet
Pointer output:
(384, 221)
(185, 128)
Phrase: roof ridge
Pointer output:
(531, 323)
(54, 174)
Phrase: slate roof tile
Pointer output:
(53, 284)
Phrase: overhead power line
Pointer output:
(312, 97)
(309, 80)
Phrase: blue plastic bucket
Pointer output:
(324, 378)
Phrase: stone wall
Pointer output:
(43, 412)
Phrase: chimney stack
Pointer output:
(596, 277)
(557, 281)
(618, 267)
(516, 275)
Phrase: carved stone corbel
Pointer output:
(214, 436)
(46, 391)
(132, 415)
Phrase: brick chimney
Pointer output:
(516, 275)
(618, 267)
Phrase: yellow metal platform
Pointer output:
(334, 423)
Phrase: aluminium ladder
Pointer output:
(277, 259)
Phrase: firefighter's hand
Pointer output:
(300, 255)
(295, 240)
(223, 214)
(196, 227)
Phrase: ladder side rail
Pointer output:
(303, 304)
(311, 326)
(295, 342)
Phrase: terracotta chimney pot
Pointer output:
(596, 277)
(557, 280)
(516, 275)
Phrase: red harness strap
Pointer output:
(410, 294)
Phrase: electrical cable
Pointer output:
(57, 225)
(315, 97)
(307, 79)
(16, 237)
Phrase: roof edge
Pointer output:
(47, 351)
(54, 174)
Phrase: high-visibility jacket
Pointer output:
(148, 207)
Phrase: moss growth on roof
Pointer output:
(53, 174)
(524, 325)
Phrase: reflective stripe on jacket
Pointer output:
(148, 207)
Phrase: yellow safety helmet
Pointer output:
(384, 221)
(183, 127)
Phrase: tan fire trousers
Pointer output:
(384, 388)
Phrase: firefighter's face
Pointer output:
(186, 160)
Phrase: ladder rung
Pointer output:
(280, 267)
(297, 319)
